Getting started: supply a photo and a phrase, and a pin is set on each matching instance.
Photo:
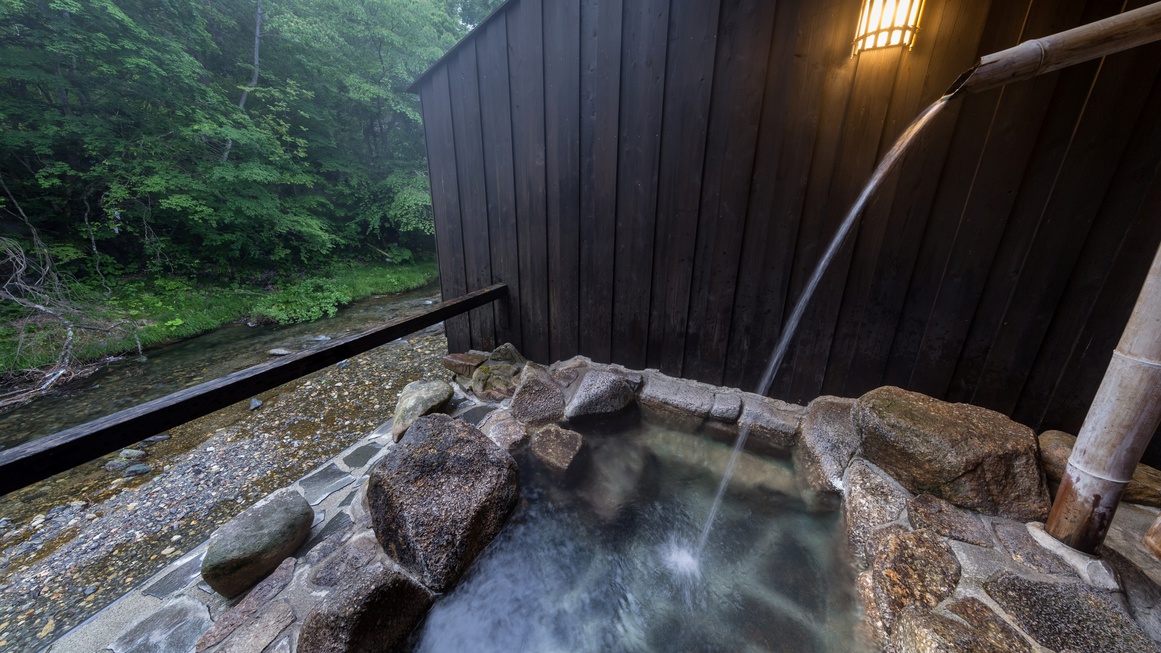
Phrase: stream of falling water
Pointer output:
(687, 562)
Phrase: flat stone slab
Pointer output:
(321, 484)
(175, 628)
(251, 607)
(1024, 549)
(926, 511)
(1068, 616)
(176, 580)
(912, 569)
(361, 456)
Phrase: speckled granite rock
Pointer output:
(1056, 447)
(912, 569)
(439, 497)
(870, 500)
(926, 511)
(971, 456)
(417, 399)
(674, 402)
(1023, 549)
(599, 393)
(255, 542)
(538, 399)
(1069, 616)
(506, 431)
(827, 440)
(921, 631)
(563, 452)
(372, 612)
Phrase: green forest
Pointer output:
(170, 165)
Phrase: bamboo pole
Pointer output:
(1044, 55)
(1120, 422)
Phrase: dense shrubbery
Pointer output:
(168, 165)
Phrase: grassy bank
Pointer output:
(161, 310)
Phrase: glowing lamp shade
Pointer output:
(884, 23)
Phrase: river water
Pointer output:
(131, 381)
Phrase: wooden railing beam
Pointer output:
(39, 459)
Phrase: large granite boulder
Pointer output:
(372, 611)
(1056, 447)
(417, 399)
(538, 399)
(599, 393)
(973, 457)
(255, 542)
(871, 500)
(440, 497)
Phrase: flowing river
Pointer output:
(131, 381)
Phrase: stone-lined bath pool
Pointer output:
(584, 568)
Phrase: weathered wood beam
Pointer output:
(37, 460)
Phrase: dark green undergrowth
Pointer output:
(160, 310)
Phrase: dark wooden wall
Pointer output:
(655, 180)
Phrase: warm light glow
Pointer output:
(884, 23)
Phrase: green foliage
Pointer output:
(120, 124)
(164, 309)
(305, 301)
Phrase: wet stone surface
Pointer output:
(100, 531)
(1069, 616)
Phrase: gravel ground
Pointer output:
(73, 544)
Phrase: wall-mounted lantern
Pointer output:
(886, 23)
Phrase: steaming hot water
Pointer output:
(763, 574)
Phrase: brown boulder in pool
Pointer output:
(973, 457)
(440, 497)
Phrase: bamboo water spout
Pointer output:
(1120, 422)
(1127, 408)
(1067, 48)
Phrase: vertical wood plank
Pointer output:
(839, 75)
(600, 51)
(689, 76)
(779, 188)
(1072, 325)
(463, 78)
(750, 306)
(562, 164)
(735, 111)
(1062, 223)
(642, 93)
(1005, 27)
(526, 83)
(1070, 401)
(499, 174)
(887, 237)
(445, 202)
(854, 160)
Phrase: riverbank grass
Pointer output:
(154, 311)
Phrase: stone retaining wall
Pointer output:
(941, 504)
